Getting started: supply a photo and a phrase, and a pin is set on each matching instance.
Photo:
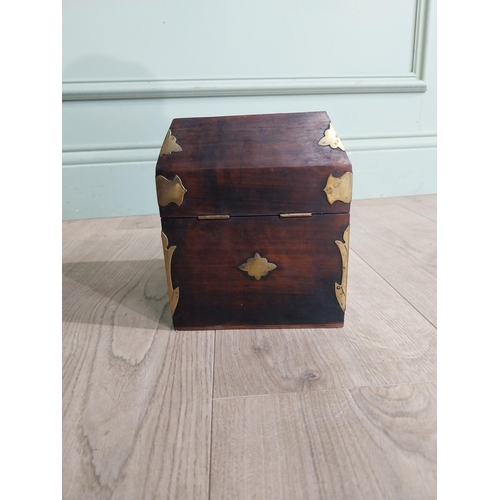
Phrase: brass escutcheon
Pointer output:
(257, 266)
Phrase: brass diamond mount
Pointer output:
(332, 139)
(170, 145)
(257, 266)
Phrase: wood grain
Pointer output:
(366, 443)
(384, 341)
(277, 140)
(215, 292)
(136, 394)
(400, 245)
(253, 165)
(254, 191)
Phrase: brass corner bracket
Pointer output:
(170, 145)
(173, 295)
(341, 289)
(257, 266)
(169, 191)
(331, 138)
(339, 188)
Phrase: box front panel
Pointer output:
(259, 191)
(253, 165)
(257, 271)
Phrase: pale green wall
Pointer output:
(130, 67)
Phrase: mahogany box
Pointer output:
(255, 221)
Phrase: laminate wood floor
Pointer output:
(150, 413)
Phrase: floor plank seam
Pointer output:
(211, 420)
(352, 388)
(395, 289)
(418, 213)
(348, 416)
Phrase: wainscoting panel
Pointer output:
(130, 67)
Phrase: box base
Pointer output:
(258, 327)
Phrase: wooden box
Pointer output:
(255, 221)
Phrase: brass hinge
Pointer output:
(213, 217)
(297, 214)
(225, 216)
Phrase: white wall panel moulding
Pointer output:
(83, 91)
(170, 88)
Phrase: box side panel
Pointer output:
(214, 269)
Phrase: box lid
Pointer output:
(253, 165)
